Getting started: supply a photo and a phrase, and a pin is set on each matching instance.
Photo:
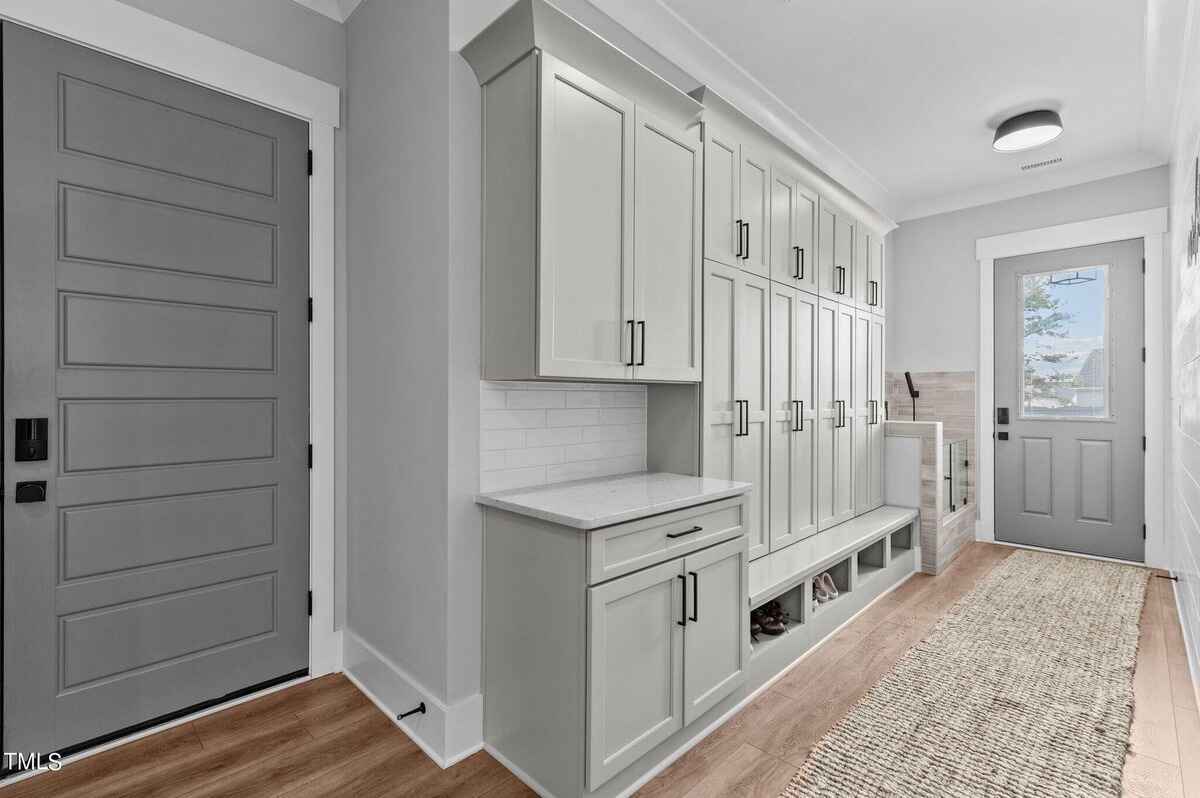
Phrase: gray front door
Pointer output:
(155, 285)
(1069, 376)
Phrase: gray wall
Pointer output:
(398, 203)
(933, 276)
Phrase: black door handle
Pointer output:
(695, 616)
(29, 492)
(739, 237)
(631, 342)
(642, 327)
(683, 595)
(691, 531)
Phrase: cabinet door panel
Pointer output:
(785, 261)
(875, 274)
(784, 338)
(827, 413)
(806, 238)
(752, 449)
(861, 259)
(827, 276)
(860, 412)
(843, 257)
(720, 417)
(717, 637)
(755, 194)
(875, 421)
(585, 274)
(721, 206)
(843, 505)
(667, 252)
(635, 667)
(804, 433)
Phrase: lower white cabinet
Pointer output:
(793, 425)
(664, 646)
(875, 389)
(601, 644)
(835, 431)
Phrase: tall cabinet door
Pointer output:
(736, 390)
(835, 459)
(875, 273)
(785, 254)
(667, 273)
(793, 426)
(806, 238)
(722, 206)
(716, 640)
(835, 253)
(860, 384)
(635, 667)
(755, 192)
(752, 450)
(875, 434)
(585, 273)
(861, 259)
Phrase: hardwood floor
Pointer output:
(324, 738)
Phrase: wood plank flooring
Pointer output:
(324, 738)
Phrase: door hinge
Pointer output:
(310, 163)
(1143, 265)
(1143, 443)
(1143, 531)
(310, 310)
(1143, 354)
(310, 456)
(310, 604)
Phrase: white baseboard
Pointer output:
(447, 733)
(1191, 647)
(985, 532)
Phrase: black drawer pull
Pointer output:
(685, 532)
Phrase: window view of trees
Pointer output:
(1064, 368)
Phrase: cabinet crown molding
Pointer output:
(536, 25)
(723, 114)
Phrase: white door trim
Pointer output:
(1148, 225)
(127, 33)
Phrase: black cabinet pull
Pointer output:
(841, 273)
(874, 298)
(798, 420)
(841, 413)
(632, 342)
(745, 418)
(683, 595)
(685, 532)
(746, 249)
(642, 326)
(695, 616)
(739, 238)
(874, 411)
(799, 275)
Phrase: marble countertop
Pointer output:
(593, 503)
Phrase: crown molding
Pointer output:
(665, 31)
(338, 10)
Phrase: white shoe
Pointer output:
(820, 594)
(830, 587)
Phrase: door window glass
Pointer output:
(1064, 344)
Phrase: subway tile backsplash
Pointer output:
(541, 433)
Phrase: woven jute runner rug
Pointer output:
(1023, 688)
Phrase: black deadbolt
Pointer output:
(1001, 415)
(31, 439)
(31, 492)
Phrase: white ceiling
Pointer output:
(910, 91)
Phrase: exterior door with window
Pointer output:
(1069, 400)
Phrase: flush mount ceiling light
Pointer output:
(1031, 129)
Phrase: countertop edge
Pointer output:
(597, 522)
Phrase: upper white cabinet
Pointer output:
(835, 252)
(793, 231)
(666, 231)
(875, 273)
(737, 205)
(862, 247)
(585, 309)
(736, 391)
(591, 229)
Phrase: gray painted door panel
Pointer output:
(155, 278)
(1065, 480)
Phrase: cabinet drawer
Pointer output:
(624, 548)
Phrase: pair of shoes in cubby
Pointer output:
(771, 619)
(824, 589)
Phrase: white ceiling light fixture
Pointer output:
(1027, 130)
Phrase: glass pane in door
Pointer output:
(1064, 345)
